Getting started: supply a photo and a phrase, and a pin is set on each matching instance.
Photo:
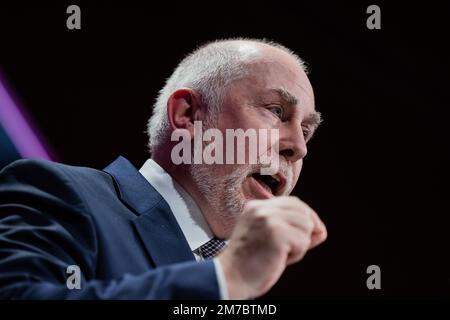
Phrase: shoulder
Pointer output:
(46, 177)
(30, 169)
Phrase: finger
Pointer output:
(297, 219)
(299, 244)
(289, 202)
(294, 240)
(319, 233)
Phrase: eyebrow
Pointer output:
(285, 95)
(314, 119)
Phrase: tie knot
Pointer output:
(210, 249)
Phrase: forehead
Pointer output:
(276, 77)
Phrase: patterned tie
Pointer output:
(210, 249)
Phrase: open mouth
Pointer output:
(272, 184)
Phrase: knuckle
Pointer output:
(296, 199)
(309, 224)
(259, 215)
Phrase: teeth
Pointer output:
(276, 178)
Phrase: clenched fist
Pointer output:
(270, 235)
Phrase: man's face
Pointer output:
(276, 95)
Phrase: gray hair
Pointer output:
(208, 70)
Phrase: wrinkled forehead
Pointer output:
(284, 74)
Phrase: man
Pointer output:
(159, 233)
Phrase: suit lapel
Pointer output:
(155, 224)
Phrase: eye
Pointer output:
(277, 110)
(306, 134)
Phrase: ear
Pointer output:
(183, 108)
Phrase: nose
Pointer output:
(292, 142)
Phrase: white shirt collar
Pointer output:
(187, 213)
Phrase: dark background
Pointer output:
(375, 171)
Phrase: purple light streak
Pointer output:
(18, 129)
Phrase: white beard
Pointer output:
(222, 192)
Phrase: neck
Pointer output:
(183, 177)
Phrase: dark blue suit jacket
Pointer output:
(112, 224)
